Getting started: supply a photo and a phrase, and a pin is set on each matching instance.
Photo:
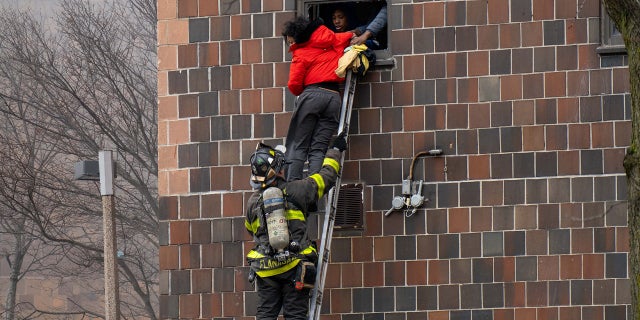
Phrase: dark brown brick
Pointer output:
(208, 8)
(521, 10)
(600, 81)
(593, 267)
(537, 294)
(510, 35)
(188, 56)
(423, 41)
(501, 166)
(523, 165)
(199, 130)
(449, 297)
(179, 232)
(198, 80)
(498, 11)
(471, 296)
(548, 216)
(444, 39)
(178, 82)
(605, 292)
(536, 242)
(188, 106)
(262, 25)
(470, 245)
(514, 294)
(168, 208)
(500, 62)
(400, 40)
(526, 217)
(533, 86)
(456, 64)
(230, 53)
(189, 306)
(555, 84)
(504, 269)
(548, 268)
(495, 196)
(503, 217)
(455, 13)
(522, 61)
(466, 38)
(437, 221)
(514, 243)
(489, 140)
(476, 12)
(220, 28)
(577, 83)
(553, 32)
(532, 33)
(581, 292)
(220, 178)
(481, 218)
(199, 180)
(187, 8)
(492, 295)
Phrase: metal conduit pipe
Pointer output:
(411, 197)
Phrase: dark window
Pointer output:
(358, 13)
(610, 38)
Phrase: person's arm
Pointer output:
(372, 29)
(297, 72)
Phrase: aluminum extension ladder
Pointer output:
(331, 203)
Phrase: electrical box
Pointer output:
(87, 170)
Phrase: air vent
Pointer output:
(349, 209)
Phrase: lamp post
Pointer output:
(85, 170)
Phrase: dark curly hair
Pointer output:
(300, 28)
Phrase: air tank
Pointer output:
(277, 228)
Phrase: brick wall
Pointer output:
(527, 210)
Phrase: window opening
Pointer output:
(358, 14)
(611, 41)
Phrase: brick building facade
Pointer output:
(527, 211)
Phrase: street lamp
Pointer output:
(86, 170)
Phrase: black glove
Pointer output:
(340, 143)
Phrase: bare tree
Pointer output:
(87, 85)
(626, 15)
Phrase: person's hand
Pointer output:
(340, 143)
(361, 38)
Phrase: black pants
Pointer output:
(277, 292)
(315, 119)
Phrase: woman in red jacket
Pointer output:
(315, 53)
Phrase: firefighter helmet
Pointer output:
(266, 163)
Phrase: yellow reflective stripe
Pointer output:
(254, 255)
(283, 269)
(294, 215)
(253, 226)
(332, 163)
(320, 182)
(308, 250)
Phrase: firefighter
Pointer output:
(283, 266)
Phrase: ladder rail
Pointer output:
(331, 203)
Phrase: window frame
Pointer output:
(383, 56)
(611, 41)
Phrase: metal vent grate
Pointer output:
(350, 207)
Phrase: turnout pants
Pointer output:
(314, 121)
(278, 292)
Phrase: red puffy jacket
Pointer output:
(316, 60)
